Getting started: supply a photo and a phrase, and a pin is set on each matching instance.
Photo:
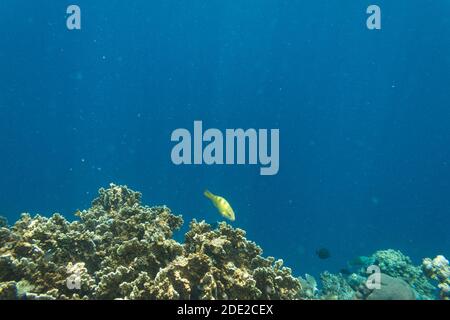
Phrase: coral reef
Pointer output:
(121, 249)
(309, 288)
(222, 264)
(3, 222)
(397, 265)
(438, 269)
(335, 287)
(390, 289)
(400, 279)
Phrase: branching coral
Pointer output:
(120, 249)
(438, 269)
(335, 287)
(237, 269)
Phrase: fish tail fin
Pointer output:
(208, 194)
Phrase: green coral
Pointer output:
(121, 249)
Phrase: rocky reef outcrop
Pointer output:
(399, 279)
(121, 249)
(438, 269)
(397, 265)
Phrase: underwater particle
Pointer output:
(375, 200)
(77, 76)
(222, 205)
(323, 253)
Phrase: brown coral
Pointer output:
(120, 249)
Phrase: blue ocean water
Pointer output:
(364, 116)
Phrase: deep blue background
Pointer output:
(364, 116)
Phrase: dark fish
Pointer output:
(323, 253)
(345, 272)
(360, 261)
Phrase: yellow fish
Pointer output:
(222, 205)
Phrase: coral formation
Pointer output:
(3, 222)
(120, 249)
(397, 265)
(400, 279)
(309, 288)
(390, 289)
(438, 269)
(335, 287)
(222, 264)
